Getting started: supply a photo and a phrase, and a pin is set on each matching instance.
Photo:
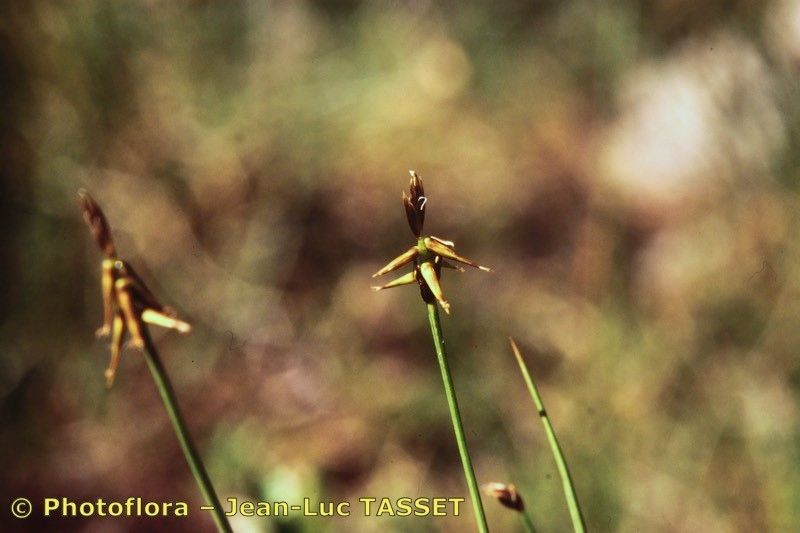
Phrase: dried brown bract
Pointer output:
(97, 223)
(415, 204)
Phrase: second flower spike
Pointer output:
(127, 302)
(429, 255)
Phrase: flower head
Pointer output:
(429, 255)
(127, 302)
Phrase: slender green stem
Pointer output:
(561, 463)
(527, 523)
(438, 342)
(167, 393)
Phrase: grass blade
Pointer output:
(561, 463)
(167, 393)
(527, 523)
(458, 428)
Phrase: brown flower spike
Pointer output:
(429, 255)
(127, 302)
(507, 495)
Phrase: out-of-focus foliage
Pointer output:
(629, 169)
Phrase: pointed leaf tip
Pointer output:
(402, 259)
(439, 247)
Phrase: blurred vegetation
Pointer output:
(630, 169)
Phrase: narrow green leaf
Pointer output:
(561, 463)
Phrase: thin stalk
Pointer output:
(167, 393)
(561, 463)
(458, 428)
(527, 523)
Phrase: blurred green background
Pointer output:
(628, 168)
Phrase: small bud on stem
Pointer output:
(507, 495)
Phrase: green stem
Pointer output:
(469, 473)
(561, 463)
(189, 451)
(527, 523)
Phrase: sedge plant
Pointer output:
(128, 306)
(575, 513)
(429, 256)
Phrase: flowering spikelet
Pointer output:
(429, 255)
(127, 302)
